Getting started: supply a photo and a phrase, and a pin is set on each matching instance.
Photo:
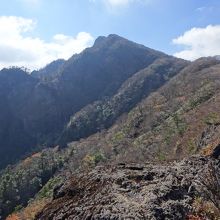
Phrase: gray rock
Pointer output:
(128, 192)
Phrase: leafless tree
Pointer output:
(209, 183)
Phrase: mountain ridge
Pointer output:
(90, 76)
(165, 111)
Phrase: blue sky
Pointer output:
(54, 29)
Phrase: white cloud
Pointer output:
(200, 9)
(19, 48)
(199, 42)
(205, 9)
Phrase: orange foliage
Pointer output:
(194, 217)
(29, 159)
(13, 217)
(32, 209)
(36, 155)
(208, 150)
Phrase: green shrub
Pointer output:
(47, 190)
(18, 208)
(180, 124)
(93, 159)
(119, 136)
(212, 119)
(161, 156)
(203, 97)
(191, 146)
(98, 157)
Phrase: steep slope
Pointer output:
(99, 71)
(178, 119)
(29, 112)
(50, 71)
(102, 114)
(35, 111)
(12, 133)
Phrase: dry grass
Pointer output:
(204, 210)
(30, 211)
(13, 217)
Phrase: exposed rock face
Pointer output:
(127, 192)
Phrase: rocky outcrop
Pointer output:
(124, 191)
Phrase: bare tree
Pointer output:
(209, 183)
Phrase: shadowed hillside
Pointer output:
(35, 110)
(102, 114)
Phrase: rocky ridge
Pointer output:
(128, 191)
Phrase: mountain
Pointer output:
(122, 117)
(179, 119)
(28, 109)
(99, 71)
(102, 114)
(136, 172)
(36, 111)
(50, 71)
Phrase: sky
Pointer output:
(36, 32)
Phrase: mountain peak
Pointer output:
(111, 38)
(115, 36)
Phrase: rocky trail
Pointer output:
(128, 191)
